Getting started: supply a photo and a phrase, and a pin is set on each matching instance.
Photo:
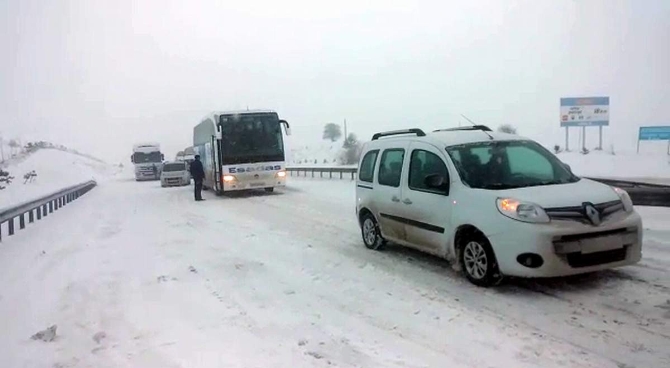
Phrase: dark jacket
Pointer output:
(197, 171)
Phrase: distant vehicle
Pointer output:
(148, 160)
(187, 155)
(175, 174)
(498, 204)
(242, 150)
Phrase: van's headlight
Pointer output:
(522, 211)
(281, 174)
(625, 199)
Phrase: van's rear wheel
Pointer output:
(269, 190)
(479, 262)
(372, 236)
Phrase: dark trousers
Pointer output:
(198, 189)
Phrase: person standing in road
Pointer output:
(198, 175)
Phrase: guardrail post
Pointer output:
(312, 172)
(39, 213)
(51, 206)
(352, 176)
(10, 226)
(31, 216)
(331, 174)
(341, 175)
(45, 210)
(22, 222)
(321, 173)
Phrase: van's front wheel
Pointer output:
(269, 190)
(479, 262)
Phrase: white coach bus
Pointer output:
(242, 150)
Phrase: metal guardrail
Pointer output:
(41, 207)
(338, 171)
(642, 194)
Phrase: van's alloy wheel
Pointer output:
(479, 262)
(475, 260)
(371, 234)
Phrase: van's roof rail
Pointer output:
(418, 132)
(483, 128)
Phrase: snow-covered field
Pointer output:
(283, 280)
(647, 167)
(55, 170)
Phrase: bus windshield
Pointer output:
(250, 138)
(142, 157)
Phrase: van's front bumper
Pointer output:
(569, 247)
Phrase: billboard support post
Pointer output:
(600, 138)
(567, 140)
(583, 139)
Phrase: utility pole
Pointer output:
(346, 136)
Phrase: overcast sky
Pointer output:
(101, 75)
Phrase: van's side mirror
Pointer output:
(162, 157)
(437, 182)
(287, 127)
(132, 158)
(568, 167)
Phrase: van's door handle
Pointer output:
(407, 201)
(395, 199)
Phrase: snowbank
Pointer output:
(323, 153)
(55, 170)
(623, 166)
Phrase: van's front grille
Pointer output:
(577, 213)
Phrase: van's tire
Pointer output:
(372, 236)
(478, 261)
(269, 190)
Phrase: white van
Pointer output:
(175, 174)
(497, 204)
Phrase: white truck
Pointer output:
(148, 161)
(242, 150)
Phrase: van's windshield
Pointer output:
(508, 164)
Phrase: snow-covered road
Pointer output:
(283, 280)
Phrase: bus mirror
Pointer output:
(287, 127)
(219, 136)
(132, 159)
(162, 157)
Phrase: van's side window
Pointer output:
(423, 164)
(390, 167)
(367, 171)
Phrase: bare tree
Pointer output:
(332, 132)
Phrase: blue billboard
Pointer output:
(585, 111)
(654, 133)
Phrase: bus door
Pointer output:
(216, 163)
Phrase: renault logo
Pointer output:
(592, 214)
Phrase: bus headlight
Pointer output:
(228, 178)
(281, 174)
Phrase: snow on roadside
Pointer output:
(624, 165)
(55, 170)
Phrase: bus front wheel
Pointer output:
(269, 190)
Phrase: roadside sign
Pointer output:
(654, 133)
(585, 111)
